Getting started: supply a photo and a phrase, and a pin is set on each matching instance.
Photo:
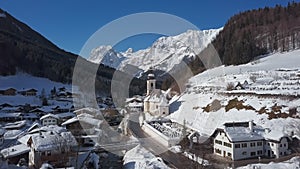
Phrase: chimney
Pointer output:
(251, 125)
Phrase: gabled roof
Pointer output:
(49, 115)
(51, 140)
(240, 132)
(15, 150)
(48, 137)
(86, 118)
(157, 96)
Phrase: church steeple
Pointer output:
(151, 81)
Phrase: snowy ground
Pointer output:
(277, 77)
(139, 157)
(293, 163)
(23, 81)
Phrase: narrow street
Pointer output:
(173, 160)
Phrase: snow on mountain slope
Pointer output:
(271, 93)
(23, 81)
(107, 56)
(164, 53)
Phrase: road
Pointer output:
(173, 160)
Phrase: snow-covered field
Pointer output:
(23, 81)
(272, 90)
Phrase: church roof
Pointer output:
(157, 96)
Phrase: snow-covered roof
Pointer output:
(135, 104)
(49, 115)
(48, 137)
(51, 140)
(3, 115)
(17, 124)
(138, 99)
(237, 134)
(157, 96)
(15, 150)
(10, 109)
(54, 128)
(46, 109)
(34, 125)
(86, 118)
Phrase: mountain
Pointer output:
(164, 53)
(107, 56)
(24, 50)
(257, 32)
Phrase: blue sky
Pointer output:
(69, 24)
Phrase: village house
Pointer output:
(15, 153)
(28, 92)
(52, 144)
(156, 102)
(40, 111)
(135, 104)
(244, 140)
(8, 92)
(49, 119)
(10, 117)
(83, 127)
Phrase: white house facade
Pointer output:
(135, 104)
(243, 140)
(49, 119)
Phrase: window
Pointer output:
(272, 144)
(280, 145)
(244, 153)
(48, 153)
(218, 151)
(284, 145)
(259, 143)
(281, 153)
(227, 144)
(229, 154)
(218, 142)
(252, 144)
(253, 153)
(237, 146)
(259, 152)
(244, 145)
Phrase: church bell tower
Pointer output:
(150, 81)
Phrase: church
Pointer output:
(156, 102)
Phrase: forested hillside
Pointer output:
(25, 50)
